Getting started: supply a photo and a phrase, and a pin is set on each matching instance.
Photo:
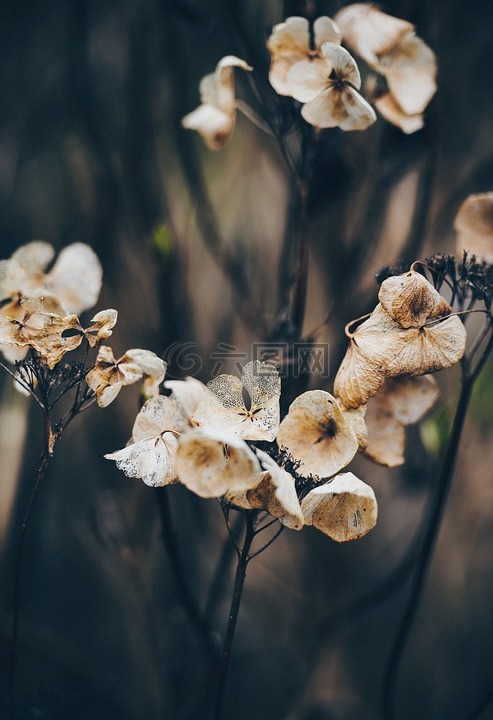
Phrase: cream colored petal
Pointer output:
(223, 400)
(343, 64)
(428, 349)
(213, 463)
(47, 336)
(410, 70)
(225, 81)
(152, 460)
(76, 278)
(263, 385)
(106, 394)
(411, 300)
(213, 125)
(35, 256)
(306, 80)
(105, 356)
(325, 30)
(388, 108)
(401, 401)
(12, 278)
(188, 393)
(356, 419)
(344, 509)
(104, 322)
(158, 415)
(316, 433)
(369, 31)
(336, 107)
(474, 227)
(149, 363)
(291, 37)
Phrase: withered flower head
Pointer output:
(224, 407)
(318, 435)
(215, 118)
(290, 43)
(329, 90)
(344, 509)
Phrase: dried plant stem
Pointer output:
(243, 558)
(429, 542)
(49, 445)
(301, 286)
(197, 619)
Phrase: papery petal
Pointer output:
(316, 433)
(152, 460)
(343, 64)
(388, 108)
(149, 363)
(158, 415)
(104, 322)
(344, 108)
(291, 37)
(76, 278)
(325, 30)
(411, 300)
(35, 256)
(410, 70)
(306, 80)
(46, 336)
(369, 31)
(213, 125)
(474, 227)
(213, 463)
(188, 393)
(105, 395)
(225, 81)
(356, 419)
(344, 509)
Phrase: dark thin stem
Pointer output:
(233, 613)
(267, 544)
(23, 385)
(189, 603)
(49, 443)
(429, 542)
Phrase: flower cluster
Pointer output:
(220, 445)
(39, 310)
(310, 65)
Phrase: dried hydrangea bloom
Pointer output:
(390, 46)
(329, 90)
(290, 43)
(215, 118)
(74, 281)
(275, 493)
(224, 406)
(401, 401)
(318, 435)
(188, 393)
(356, 419)
(411, 300)
(211, 463)
(344, 509)
(108, 375)
(49, 338)
(151, 453)
(474, 227)
(390, 110)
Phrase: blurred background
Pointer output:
(197, 250)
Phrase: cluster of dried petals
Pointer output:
(72, 285)
(109, 375)
(390, 46)
(318, 434)
(329, 90)
(290, 43)
(344, 509)
(408, 333)
(215, 118)
(224, 406)
(474, 227)
(401, 401)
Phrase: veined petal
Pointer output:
(152, 460)
(343, 64)
(339, 107)
(359, 114)
(188, 393)
(411, 300)
(159, 415)
(344, 509)
(213, 463)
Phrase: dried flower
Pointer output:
(318, 435)
(215, 118)
(344, 509)
(290, 43)
(474, 227)
(329, 90)
(108, 375)
(224, 408)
